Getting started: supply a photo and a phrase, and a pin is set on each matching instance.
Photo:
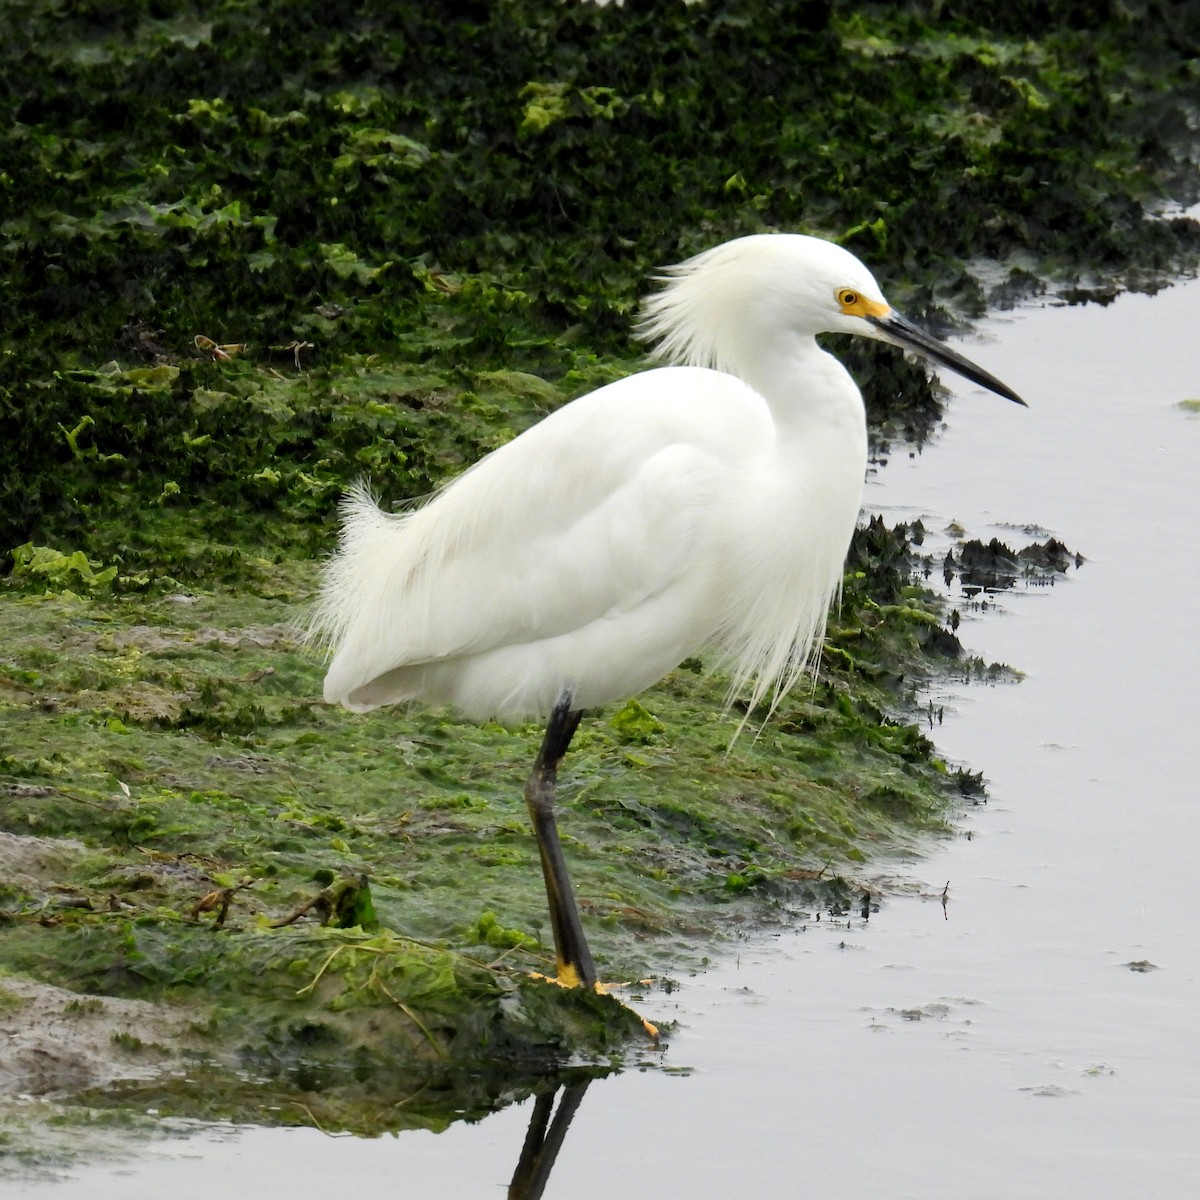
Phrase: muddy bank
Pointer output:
(340, 909)
(59, 1043)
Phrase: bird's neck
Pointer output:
(808, 391)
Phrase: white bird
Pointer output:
(706, 505)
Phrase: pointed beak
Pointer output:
(903, 333)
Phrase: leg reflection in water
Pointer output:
(545, 1139)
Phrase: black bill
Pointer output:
(904, 333)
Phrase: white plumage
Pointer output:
(688, 507)
(705, 505)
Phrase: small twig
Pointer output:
(308, 1112)
(219, 899)
(83, 800)
(221, 353)
(439, 1050)
(322, 901)
(255, 676)
(500, 958)
(410, 1097)
(312, 983)
(295, 348)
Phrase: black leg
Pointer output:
(575, 965)
(544, 1140)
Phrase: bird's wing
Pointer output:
(590, 513)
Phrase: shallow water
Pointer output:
(997, 1044)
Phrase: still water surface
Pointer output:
(996, 1046)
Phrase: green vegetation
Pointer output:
(468, 200)
(255, 251)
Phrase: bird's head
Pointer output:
(737, 297)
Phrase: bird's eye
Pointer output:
(847, 297)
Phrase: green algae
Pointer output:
(154, 728)
(218, 813)
(268, 177)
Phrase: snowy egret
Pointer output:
(705, 505)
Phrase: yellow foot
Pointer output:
(649, 1026)
(569, 978)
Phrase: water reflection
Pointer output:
(547, 1130)
(993, 566)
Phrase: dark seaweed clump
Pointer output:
(493, 191)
